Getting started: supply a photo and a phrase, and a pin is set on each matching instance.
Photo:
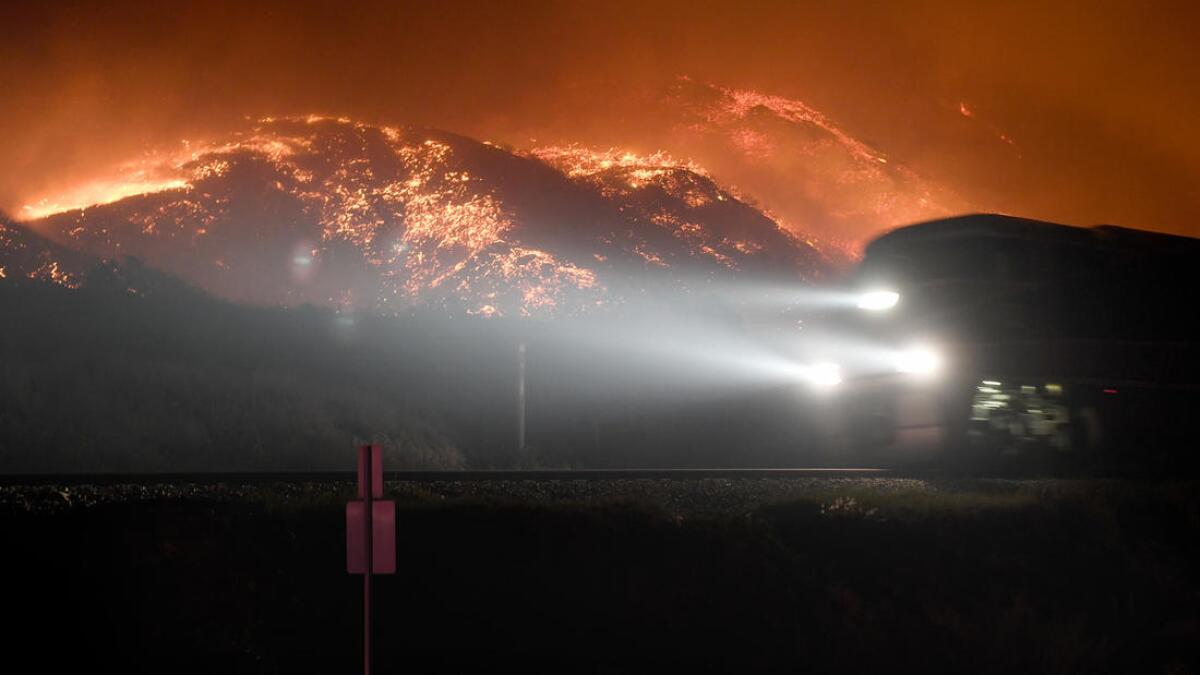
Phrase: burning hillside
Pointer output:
(333, 212)
(25, 255)
(813, 174)
(680, 198)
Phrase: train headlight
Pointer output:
(823, 375)
(878, 300)
(919, 361)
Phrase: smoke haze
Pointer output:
(1081, 113)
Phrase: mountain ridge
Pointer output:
(338, 213)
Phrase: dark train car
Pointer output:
(1006, 339)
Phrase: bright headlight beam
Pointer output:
(918, 361)
(824, 374)
(875, 301)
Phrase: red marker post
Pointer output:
(370, 534)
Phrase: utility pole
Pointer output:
(521, 396)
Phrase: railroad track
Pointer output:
(248, 478)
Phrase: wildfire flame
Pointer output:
(407, 205)
(103, 191)
(451, 221)
(626, 176)
(737, 104)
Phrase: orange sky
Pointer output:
(1082, 113)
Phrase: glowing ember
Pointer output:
(359, 183)
(578, 161)
(812, 174)
(678, 196)
(356, 216)
(737, 104)
(50, 271)
(24, 255)
(990, 127)
(100, 192)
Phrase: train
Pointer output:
(986, 340)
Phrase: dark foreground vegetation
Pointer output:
(625, 576)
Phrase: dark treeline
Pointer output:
(135, 371)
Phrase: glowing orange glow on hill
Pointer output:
(411, 217)
(626, 177)
(99, 192)
(810, 173)
(792, 161)
(449, 221)
(156, 172)
(816, 109)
